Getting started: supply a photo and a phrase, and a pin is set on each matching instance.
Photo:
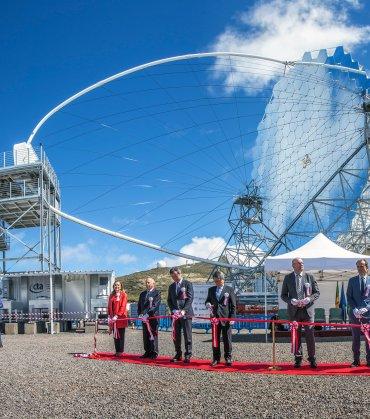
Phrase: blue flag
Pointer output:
(343, 303)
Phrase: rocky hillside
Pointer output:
(135, 283)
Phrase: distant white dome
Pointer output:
(161, 264)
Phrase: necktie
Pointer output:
(363, 284)
(300, 293)
(218, 292)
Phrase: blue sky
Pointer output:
(51, 50)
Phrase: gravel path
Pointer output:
(41, 379)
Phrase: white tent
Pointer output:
(320, 253)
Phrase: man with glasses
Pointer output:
(358, 297)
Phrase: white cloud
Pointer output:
(285, 29)
(204, 247)
(89, 254)
(79, 253)
(126, 258)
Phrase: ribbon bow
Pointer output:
(365, 328)
(307, 286)
(214, 325)
(175, 316)
(145, 321)
(294, 337)
(112, 323)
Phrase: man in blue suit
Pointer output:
(180, 300)
(148, 306)
(221, 300)
(358, 297)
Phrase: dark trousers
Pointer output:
(226, 331)
(120, 342)
(150, 346)
(302, 316)
(356, 341)
(185, 325)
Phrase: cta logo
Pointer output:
(36, 288)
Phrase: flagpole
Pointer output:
(337, 296)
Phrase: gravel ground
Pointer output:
(41, 379)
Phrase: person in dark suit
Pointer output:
(221, 301)
(179, 300)
(300, 291)
(148, 306)
(358, 297)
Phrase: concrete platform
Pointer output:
(11, 328)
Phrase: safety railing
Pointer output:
(26, 156)
(19, 189)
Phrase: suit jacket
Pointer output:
(118, 307)
(355, 298)
(143, 306)
(224, 306)
(289, 291)
(176, 301)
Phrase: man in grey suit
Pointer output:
(300, 291)
(358, 297)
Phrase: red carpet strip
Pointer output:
(240, 367)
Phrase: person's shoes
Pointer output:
(118, 354)
(313, 363)
(153, 356)
(229, 363)
(176, 358)
(355, 364)
(145, 355)
(187, 360)
(215, 362)
(298, 363)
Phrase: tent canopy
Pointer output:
(320, 253)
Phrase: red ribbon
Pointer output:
(294, 337)
(110, 325)
(146, 322)
(175, 317)
(293, 325)
(113, 326)
(241, 320)
(365, 328)
(214, 325)
(116, 334)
